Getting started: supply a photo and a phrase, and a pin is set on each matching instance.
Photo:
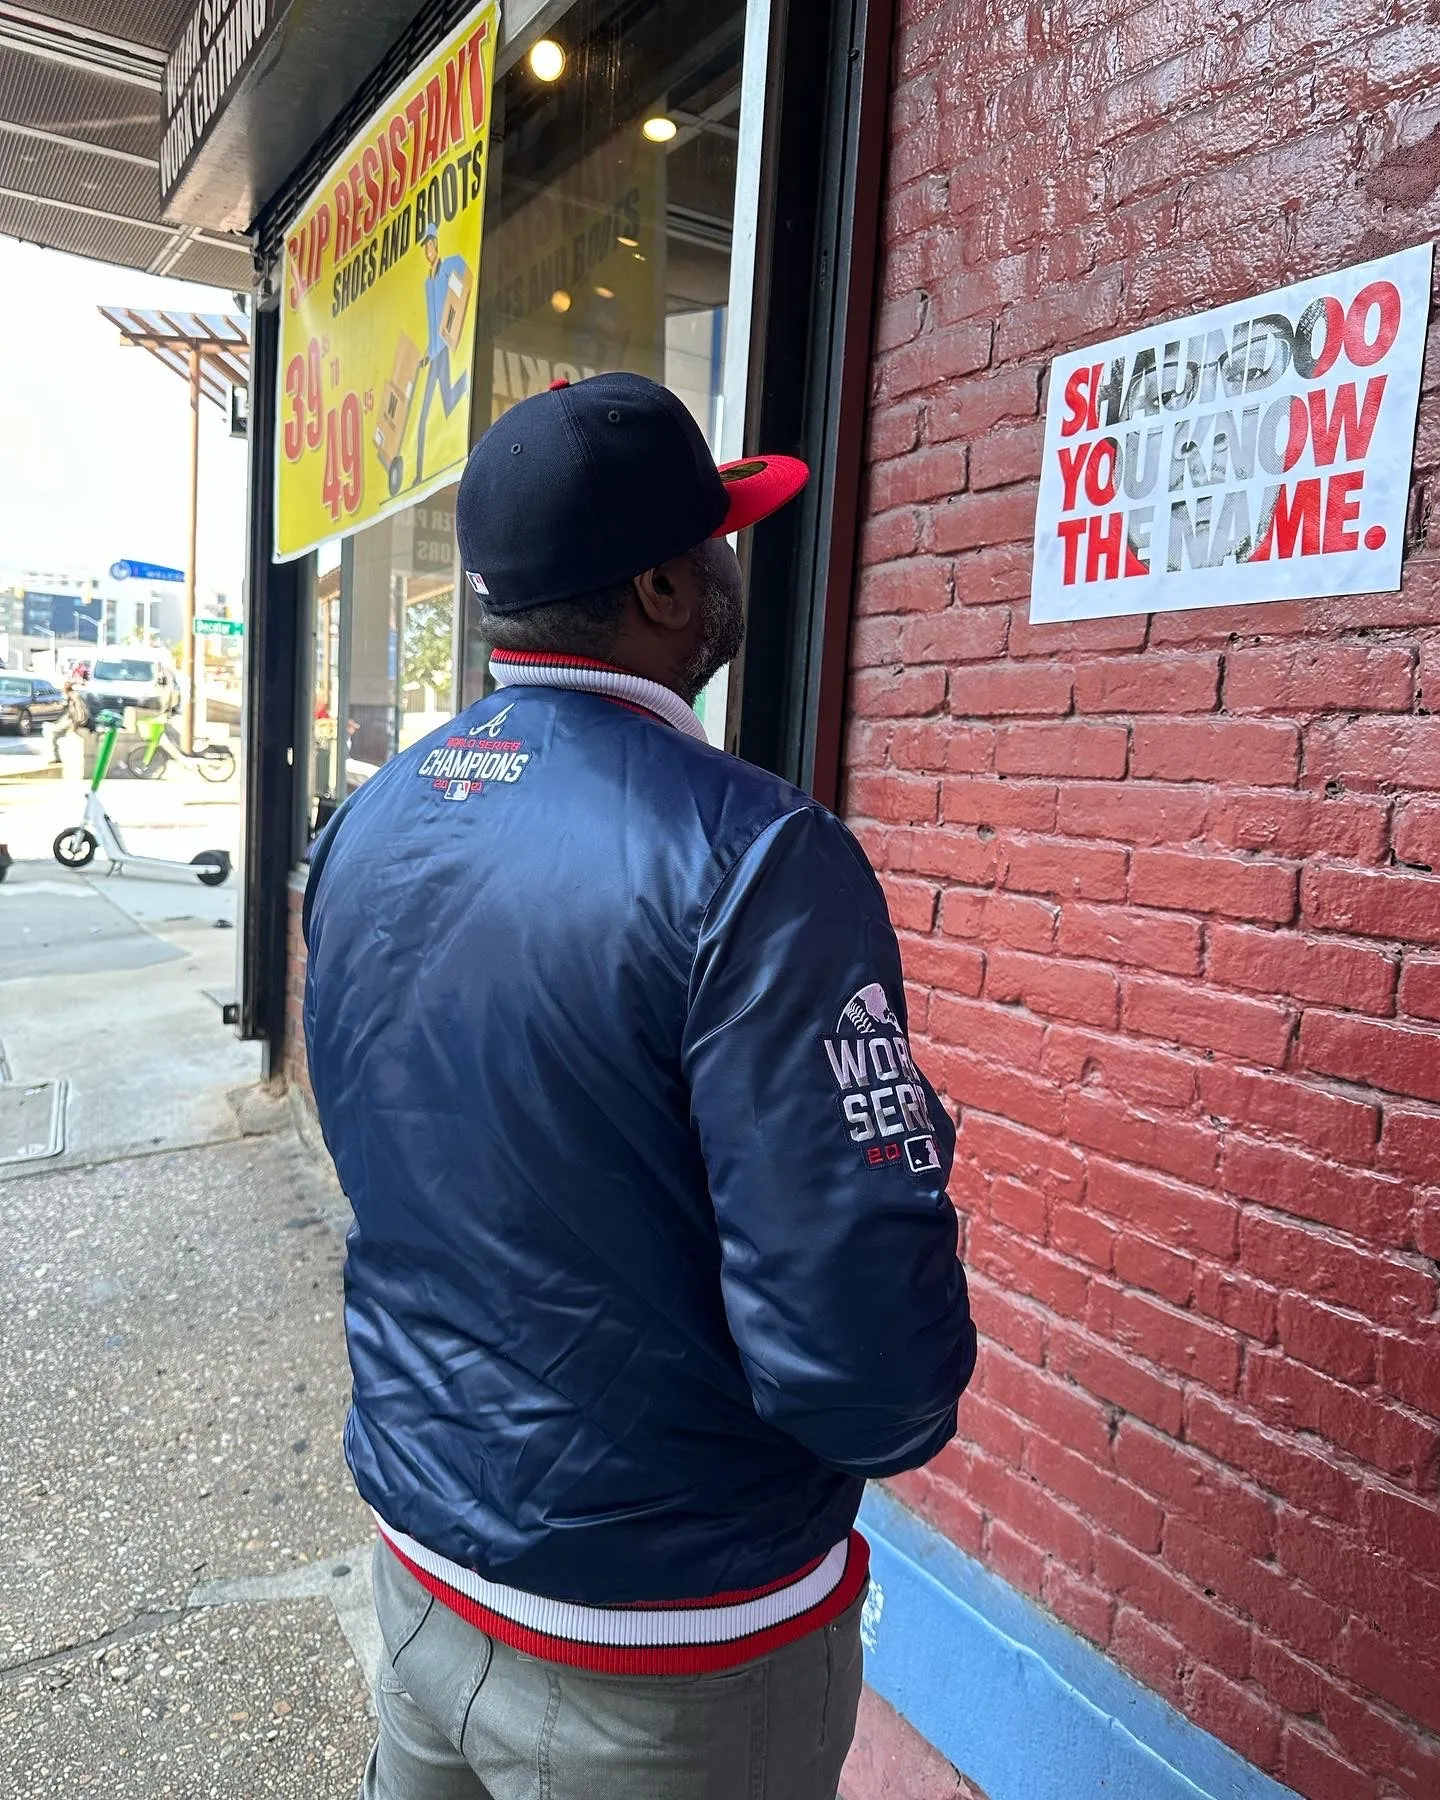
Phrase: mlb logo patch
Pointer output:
(457, 790)
(476, 581)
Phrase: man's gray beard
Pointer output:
(722, 632)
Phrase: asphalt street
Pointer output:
(184, 1570)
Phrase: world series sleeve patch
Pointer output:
(881, 1096)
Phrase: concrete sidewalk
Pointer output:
(184, 1578)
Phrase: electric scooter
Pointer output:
(216, 762)
(75, 848)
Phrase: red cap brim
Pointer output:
(759, 486)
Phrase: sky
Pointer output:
(95, 434)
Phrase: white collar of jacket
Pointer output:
(531, 668)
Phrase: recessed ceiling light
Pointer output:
(660, 130)
(605, 293)
(629, 242)
(561, 301)
(547, 60)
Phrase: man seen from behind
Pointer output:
(653, 1263)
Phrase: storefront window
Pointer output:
(402, 631)
(606, 246)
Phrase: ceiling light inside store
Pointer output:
(547, 60)
(629, 242)
(606, 293)
(660, 130)
(561, 301)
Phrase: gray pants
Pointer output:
(465, 1718)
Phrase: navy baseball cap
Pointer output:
(584, 487)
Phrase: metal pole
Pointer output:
(732, 392)
(187, 645)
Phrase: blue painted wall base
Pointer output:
(1018, 1703)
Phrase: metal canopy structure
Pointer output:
(80, 122)
(215, 347)
(212, 352)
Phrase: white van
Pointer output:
(121, 678)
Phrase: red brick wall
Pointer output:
(1165, 885)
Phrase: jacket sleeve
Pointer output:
(828, 1155)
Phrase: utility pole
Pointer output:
(188, 662)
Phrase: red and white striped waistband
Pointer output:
(693, 1637)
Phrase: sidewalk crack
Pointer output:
(144, 1624)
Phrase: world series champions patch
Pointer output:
(465, 763)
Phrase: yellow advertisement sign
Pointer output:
(377, 315)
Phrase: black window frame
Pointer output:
(822, 184)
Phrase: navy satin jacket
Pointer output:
(652, 1261)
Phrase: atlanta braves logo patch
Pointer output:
(492, 728)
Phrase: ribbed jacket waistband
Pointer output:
(692, 1637)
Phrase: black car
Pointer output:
(26, 702)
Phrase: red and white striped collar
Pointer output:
(533, 668)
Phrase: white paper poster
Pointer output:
(1257, 452)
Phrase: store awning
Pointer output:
(80, 123)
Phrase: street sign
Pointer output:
(139, 571)
(219, 627)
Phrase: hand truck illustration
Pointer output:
(396, 401)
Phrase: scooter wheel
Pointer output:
(217, 762)
(212, 877)
(396, 473)
(75, 848)
(146, 771)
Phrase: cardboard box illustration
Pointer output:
(395, 399)
(457, 301)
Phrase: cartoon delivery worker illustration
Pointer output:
(447, 293)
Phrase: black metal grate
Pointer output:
(85, 177)
(35, 222)
(79, 103)
(154, 23)
(217, 265)
(99, 202)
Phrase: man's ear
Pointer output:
(663, 599)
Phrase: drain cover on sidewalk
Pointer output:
(32, 1120)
